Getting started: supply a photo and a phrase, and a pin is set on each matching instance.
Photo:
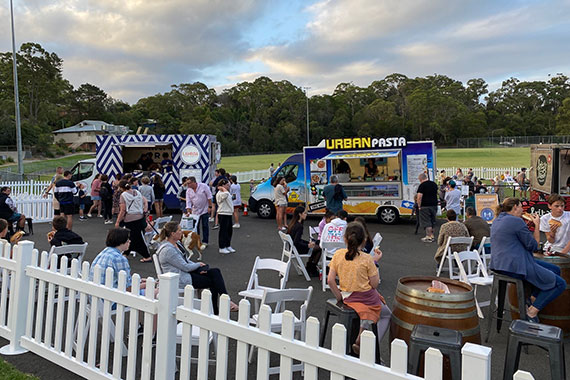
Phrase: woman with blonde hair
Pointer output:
(199, 275)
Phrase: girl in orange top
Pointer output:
(358, 280)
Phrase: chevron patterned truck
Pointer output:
(193, 155)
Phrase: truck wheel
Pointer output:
(387, 215)
(266, 209)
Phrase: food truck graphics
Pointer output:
(193, 155)
(549, 173)
(388, 192)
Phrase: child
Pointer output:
(81, 195)
(147, 191)
(235, 192)
(556, 226)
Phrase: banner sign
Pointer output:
(485, 205)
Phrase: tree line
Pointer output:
(270, 116)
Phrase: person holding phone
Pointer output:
(199, 275)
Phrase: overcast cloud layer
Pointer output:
(137, 48)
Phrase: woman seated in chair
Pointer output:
(513, 246)
(358, 280)
(199, 275)
(295, 230)
(452, 228)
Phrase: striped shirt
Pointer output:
(64, 191)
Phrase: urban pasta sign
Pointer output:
(365, 143)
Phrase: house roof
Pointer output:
(94, 126)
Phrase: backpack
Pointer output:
(104, 193)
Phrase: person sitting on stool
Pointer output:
(8, 209)
(513, 246)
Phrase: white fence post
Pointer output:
(18, 304)
(476, 362)
(166, 339)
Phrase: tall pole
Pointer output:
(307, 96)
(16, 96)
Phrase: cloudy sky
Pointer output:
(137, 48)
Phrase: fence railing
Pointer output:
(26, 187)
(36, 207)
(256, 175)
(56, 314)
(481, 173)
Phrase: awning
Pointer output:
(143, 144)
(362, 154)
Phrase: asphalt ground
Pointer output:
(404, 255)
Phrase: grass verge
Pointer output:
(8, 372)
(43, 165)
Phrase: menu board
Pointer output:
(417, 164)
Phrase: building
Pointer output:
(84, 134)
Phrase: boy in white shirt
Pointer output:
(556, 226)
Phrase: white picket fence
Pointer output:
(256, 175)
(484, 173)
(51, 313)
(26, 187)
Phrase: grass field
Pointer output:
(8, 372)
(464, 158)
(49, 165)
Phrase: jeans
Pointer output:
(544, 297)
(204, 222)
(212, 280)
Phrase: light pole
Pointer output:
(307, 96)
(16, 97)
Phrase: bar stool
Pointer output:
(350, 320)
(549, 338)
(499, 290)
(447, 341)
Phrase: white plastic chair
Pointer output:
(77, 251)
(195, 339)
(254, 290)
(329, 248)
(448, 255)
(148, 236)
(280, 298)
(475, 275)
(485, 257)
(159, 271)
(293, 255)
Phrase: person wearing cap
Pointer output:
(453, 198)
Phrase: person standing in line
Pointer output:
(182, 194)
(131, 215)
(106, 194)
(64, 191)
(81, 198)
(147, 191)
(116, 193)
(427, 206)
(57, 176)
(235, 191)
(158, 189)
(281, 190)
(95, 197)
(221, 175)
(523, 183)
(271, 170)
(198, 200)
(453, 198)
(334, 195)
(225, 211)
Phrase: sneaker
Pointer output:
(236, 225)
(89, 215)
(427, 239)
(216, 226)
(108, 222)
(210, 219)
(224, 251)
(82, 218)
(203, 247)
(231, 249)
(99, 216)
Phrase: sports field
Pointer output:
(464, 158)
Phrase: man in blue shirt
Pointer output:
(334, 194)
(64, 191)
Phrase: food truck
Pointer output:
(387, 191)
(549, 173)
(193, 156)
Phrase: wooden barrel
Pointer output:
(556, 313)
(413, 305)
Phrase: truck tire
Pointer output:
(265, 209)
(388, 215)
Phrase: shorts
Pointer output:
(95, 198)
(15, 217)
(67, 209)
(427, 216)
(237, 207)
(82, 206)
(282, 204)
(524, 187)
(158, 200)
